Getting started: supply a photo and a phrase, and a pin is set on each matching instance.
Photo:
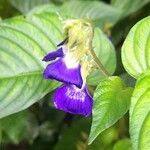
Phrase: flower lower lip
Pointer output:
(73, 100)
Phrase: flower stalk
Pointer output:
(99, 64)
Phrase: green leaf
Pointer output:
(111, 102)
(136, 48)
(140, 113)
(24, 6)
(105, 51)
(129, 6)
(124, 144)
(23, 43)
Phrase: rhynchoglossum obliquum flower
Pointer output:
(70, 64)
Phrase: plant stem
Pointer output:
(99, 64)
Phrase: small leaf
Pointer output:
(124, 144)
(136, 49)
(105, 51)
(140, 113)
(111, 102)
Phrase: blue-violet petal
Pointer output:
(59, 70)
(53, 55)
(71, 99)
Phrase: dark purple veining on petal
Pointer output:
(71, 99)
(53, 55)
(58, 70)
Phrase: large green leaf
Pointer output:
(25, 6)
(128, 6)
(105, 51)
(23, 43)
(136, 48)
(140, 113)
(111, 102)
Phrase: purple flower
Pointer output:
(73, 96)
(71, 99)
(64, 67)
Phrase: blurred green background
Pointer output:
(41, 126)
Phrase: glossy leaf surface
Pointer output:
(140, 113)
(136, 48)
(111, 102)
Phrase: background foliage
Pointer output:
(31, 28)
